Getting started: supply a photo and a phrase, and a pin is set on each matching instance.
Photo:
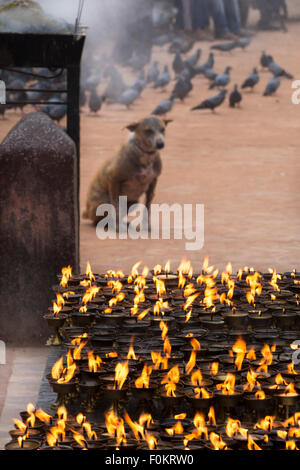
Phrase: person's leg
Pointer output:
(200, 16)
(179, 17)
(187, 17)
(200, 19)
(244, 11)
(233, 16)
(218, 13)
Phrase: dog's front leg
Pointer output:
(114, 189)
(149, 198)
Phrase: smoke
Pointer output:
(100, 17)
(66, 9)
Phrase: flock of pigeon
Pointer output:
(185, 68)
(42, 89)
(117, 91)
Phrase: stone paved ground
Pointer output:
(22, 376)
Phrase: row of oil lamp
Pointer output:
(218, 345)
(246, 300)
(38, 430)
(198, 373)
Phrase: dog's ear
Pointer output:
(132, 127)
(167, 121)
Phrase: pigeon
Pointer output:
(138, 62)
(211, 74)
(18, 97)
(213, 102)
(58, 112)
(235, 97)
(82, 97)
(278, 71)
(181, 44)
(193, 60)
(127, 97)
(164, 106)
(207, 65)
(221, 80)
(36, 95)
(55, 111)
(188, 73)
(163, 79)
(272, 86)
(153, 73)
(95, 101)
(163, 39)
(140, 83)
(251, 80)
(116, 84)
(2, 111)
(178, 64)
(182, 88)
(225, 46)
(265, 60)
(92, 81)
(187, 46)
(243, 42)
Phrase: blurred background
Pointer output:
(241, 163)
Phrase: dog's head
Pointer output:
(149, 133)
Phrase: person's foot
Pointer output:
(227, 35)
(188, 34)
(245, 33)
(203, 35)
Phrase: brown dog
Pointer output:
(133, 171)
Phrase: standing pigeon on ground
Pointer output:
(178, 64)
(194, 59)
(95, 101)
(182, 88)
(182, 44)
(251, 80)
(82, 97)
(213, 102)
(116, 84)
(211, 74)
(278, 71)
(92, 81)
(138, 62)
(164, 107)
(207, 65)
(265, 60)
(235, 97)
(225, 46)
(153, 73)
(272, 86)
(17, 96)
(221, 80)
(163, 79)
(127, 97)
(140, 83)
(243, 42)
(188, 73)
(55, 111)
(2, 111)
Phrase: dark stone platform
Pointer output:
(39, 223)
